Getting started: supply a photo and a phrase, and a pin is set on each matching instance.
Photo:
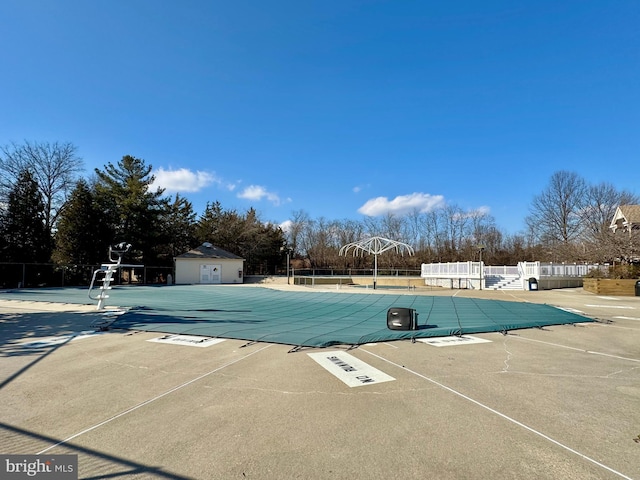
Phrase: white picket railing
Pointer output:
(450, 270)
(539, 269)
(474, 274)
(500, 270)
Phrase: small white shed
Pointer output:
(207, 264)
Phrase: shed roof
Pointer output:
(631, 213)
(627, 217)
(207, 250)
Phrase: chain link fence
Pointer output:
(33, 275)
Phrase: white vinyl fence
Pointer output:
(475, 274)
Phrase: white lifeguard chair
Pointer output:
(116, 253)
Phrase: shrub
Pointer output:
(624, 271)
(596, 273)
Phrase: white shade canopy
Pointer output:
(376, 246)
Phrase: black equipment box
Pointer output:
(402, 319)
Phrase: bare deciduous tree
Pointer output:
(455, 222)
(54, 167)
(555, 214)
(295, 231)
(599, 207)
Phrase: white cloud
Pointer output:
(258, 192)
(286, 226)
(183, 180)
(403, 204)
(359, 188)
(475, 213)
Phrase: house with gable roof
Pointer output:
(626, 226)
(208, 264)
(626, 219)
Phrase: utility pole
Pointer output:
(480, 249)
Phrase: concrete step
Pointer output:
(503, 283)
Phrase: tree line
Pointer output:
(50, 213)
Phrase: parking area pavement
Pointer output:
(548, 403)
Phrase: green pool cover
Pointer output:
(305, 319)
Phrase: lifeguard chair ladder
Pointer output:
(108, 269)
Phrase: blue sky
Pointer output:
(340, 108)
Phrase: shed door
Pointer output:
(210, 273)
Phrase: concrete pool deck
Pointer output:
(556, 402)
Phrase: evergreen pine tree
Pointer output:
(24, 230)
(131, 209)
(82, 236)
(178, 229)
